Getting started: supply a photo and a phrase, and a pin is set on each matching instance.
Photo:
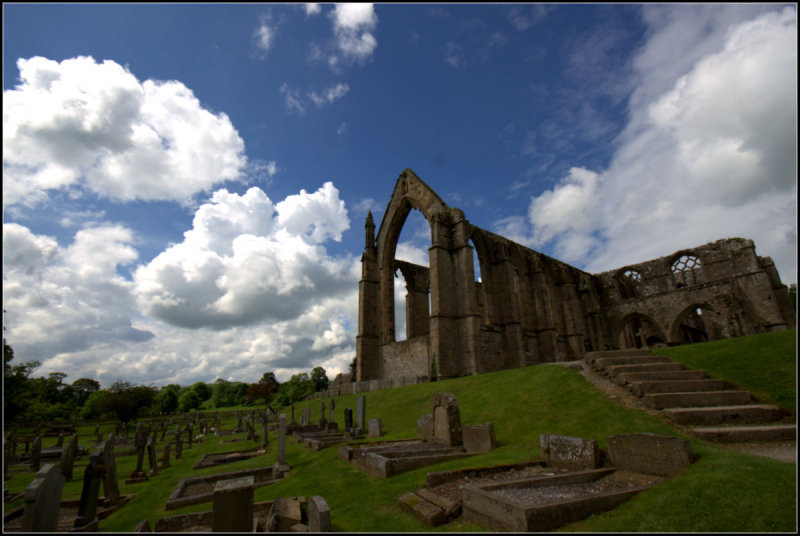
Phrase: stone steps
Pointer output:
(616, 370)
(713, 409)
(735, 434)
(591, 357)
(605, 362)
(696, 399)
(676, 386)
(741, 414)
(670, 375)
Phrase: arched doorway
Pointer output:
(639, 331)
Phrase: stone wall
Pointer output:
(529, 308)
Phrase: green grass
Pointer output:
(721, 491)
(764, 364)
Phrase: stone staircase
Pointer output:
(711, 409)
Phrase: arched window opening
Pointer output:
(629, 283)
(686, 270)
(411, 282)
(692, 327)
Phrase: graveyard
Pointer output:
(529, 408)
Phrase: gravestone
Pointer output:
(293, 423)
(60, 440)
(110, 483)
(361, 412)
(87, 509)
(319, 515)
(306, 419)
(165, 458)
(42, 500)
(178, 445)
(190, 432)
(651, 454)
(569, 452)
(282, 440)
(348, 420)
(151, 456)
(322, 420)
(233, 505)
(375, 428)
(140, 441)
(425, 427)
(68, 455)
(264, 428)
(98, 433)
(331, 418)
(36, 452)
(446, 420)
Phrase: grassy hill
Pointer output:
(722, 491)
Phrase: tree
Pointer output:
(18, 392)
(269, 377)
(225, 393)
(259, 391)
(166, 400)
(296, 389)
(82, 388)
(189, 400)
(128, 401)
(97, 405)
(353, 369)
(203, 391)
(319, 378)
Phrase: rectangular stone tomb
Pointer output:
(67, 513)
(285, 514)
(199, 489)
(440, 500)
(386, 459)
(210, 460)
(545, 503)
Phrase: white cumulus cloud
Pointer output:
(711, 154)
(83, 125)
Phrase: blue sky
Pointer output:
(185, 186)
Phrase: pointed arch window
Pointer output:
(686, 270)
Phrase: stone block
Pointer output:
(233, 505)
(42, 500)
(425, 511)
(649, 453)
(425, 427)
(319, 515)
(478, 437)
(569, 452)
(446, 420)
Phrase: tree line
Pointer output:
(28, 399)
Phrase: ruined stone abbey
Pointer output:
(529, 308)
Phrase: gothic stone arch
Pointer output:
(530, 308)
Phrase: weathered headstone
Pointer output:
(110, 484)
(446, 420)
(282, 440)
(68, 455)
(651, 454)
(323, 422)
(264, 428)
(425, 427)
(60, 440)
(151, 456)
(348, 420)
(178, 445)
(319, 515)
(189, 433)
(36, 452)
(375, 428)
(87, 508)
(140, 441)
(569, 452)
(361, 412)
(42, 500)
(331, 417)
(233, 505)
(165, 457)
(478, 437)
(305, 420)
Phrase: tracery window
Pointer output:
(628, 281)
(686, 270)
